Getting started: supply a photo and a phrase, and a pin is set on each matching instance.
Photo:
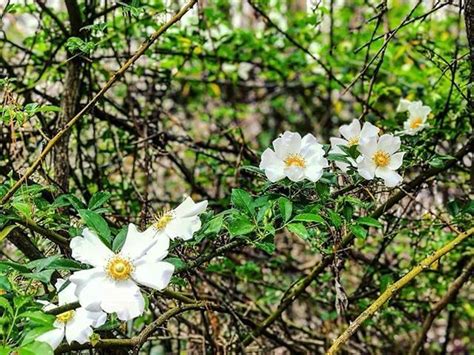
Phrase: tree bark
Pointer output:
(69, 100)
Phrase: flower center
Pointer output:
(353, 141)
(295, 160)
(119, 268)
(163, 219)
(381, 158)
(415, 122)
(65, 317)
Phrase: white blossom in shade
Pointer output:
(403, 105)
(75, 325)
(352, 134)
(417, 116)
(182, 222)
(112, 283)
(294, 157)
(380, 158)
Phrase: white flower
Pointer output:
(112, 284)
(403, 105)
(182, 222)
(379, 158)
(417, 115)
(75, 325)
(294, 158)
(352, 135)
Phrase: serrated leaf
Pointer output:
(286, 208)
(98, 199)
(309, 217)
(359, 231)
(299, 229)
(96, 222)
(369, 221)
(242, 201)
(240, 225)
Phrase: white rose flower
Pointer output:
(75, 325)
(112, 284)
(294, 158)
(379, 158)
(182, 222)
(417, 115)
(352, 135)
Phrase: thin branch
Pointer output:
(119, 73)
(440, 305)
(394, 288)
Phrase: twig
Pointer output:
(140, 51)
(394, 288)
(440, 305)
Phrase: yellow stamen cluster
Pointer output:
(65, 317)
(416, 122)
(119, 268)
(353, 141)
(295, 160)
(163, 219)
(381, 158)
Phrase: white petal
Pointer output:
(158, 251)
(79, 327)
(272, 165)
(188, 208)
(388, 143)
(390, 177)
(137, 243)
(396, 161)
(335, 143)
(312, 150)
(53, 337)
(368, 146)
(403, 105)
(183, 228)
(294, 173)
(156, 275)
(368, 131)
(351, 130)
(90, 287)
(288, 143)
(89, 249)
(308, 139)
(123, 298)
(67, 295)
(366, 168)
(313, 174)
(342, 166)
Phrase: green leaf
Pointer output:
(286, 208)
(338, 157)
(299, 229)
(214, 226)
(4, 304)
(5, 283)
(242, 201)
(98, 199)
(309, 217)
(38, 317)
(240, 225)
(335, 218)
(267, 247)
(359, 231)
(97, 223)
(369, 221)
(119, 239)
(43, 276)
(36, 348)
